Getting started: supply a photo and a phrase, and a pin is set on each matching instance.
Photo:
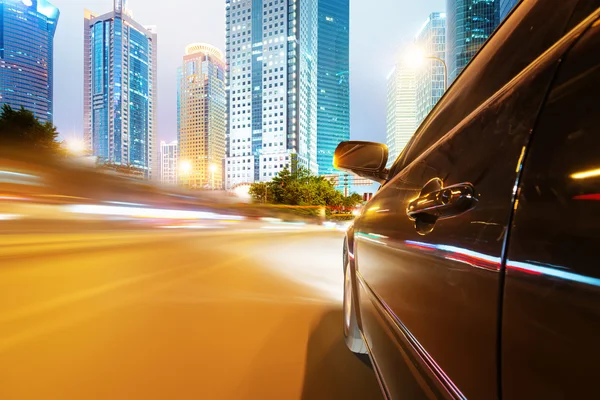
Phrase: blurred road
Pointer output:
(176, 314)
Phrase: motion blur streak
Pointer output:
(97, 303)
(187, 315)
(6, 217)
(141, 212)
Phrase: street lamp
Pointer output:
(415, 57)
(212, 168)
(185, 169)
(76, 146)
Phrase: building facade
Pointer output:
(168, 162)
(401, 121)
(120, 88)
(469, 24)
(333, 81)
(27, 30)
(271, 88)
(431, 40)
(202, 117)
(506, 6)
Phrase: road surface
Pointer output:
(176, 314)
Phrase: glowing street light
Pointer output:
(212, 168)
(76, 146)
(185, 167)
(415, 58)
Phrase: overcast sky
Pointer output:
(378, 31)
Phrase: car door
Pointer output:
(551, 312)
(429, 289)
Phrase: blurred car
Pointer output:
(473, 272)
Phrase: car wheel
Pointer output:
(351, 331)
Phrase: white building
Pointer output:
(272, 88)
(168, 162)
(401, 109)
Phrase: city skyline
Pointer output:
(367, 85)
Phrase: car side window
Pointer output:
(552, 286)
(562, 175)
(532, 28)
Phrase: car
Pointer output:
(474, 270)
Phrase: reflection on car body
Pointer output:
(479, 280)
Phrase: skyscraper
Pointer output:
(272, 88)
(469, 24)
(168, 162)
(26, 55)
(202, 116)
(431, 40)
(506, 6)
(333, 94)
(401, 109)
(120, 88)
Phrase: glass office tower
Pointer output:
(401, 121)
(120, 88)
(202, 116)
(26, 55)
(506, 6)
(469, 24)
(431, 41)
(271, 88)
(333, 85)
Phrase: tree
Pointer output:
(301, 188)
(125, 169)
(259, 191)
(20, 129)
(353, 200)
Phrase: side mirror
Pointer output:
(366, 159)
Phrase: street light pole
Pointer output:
(445, 69)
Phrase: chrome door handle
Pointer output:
(438, 202)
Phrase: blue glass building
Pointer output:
(26, 55)
(506, 6)
(271, 56)
(469, 24)
(120, 88)
(333, 85)
(431, 40)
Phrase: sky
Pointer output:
(379, 30)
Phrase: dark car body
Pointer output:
(495, 292)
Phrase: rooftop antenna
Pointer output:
(120, 6)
